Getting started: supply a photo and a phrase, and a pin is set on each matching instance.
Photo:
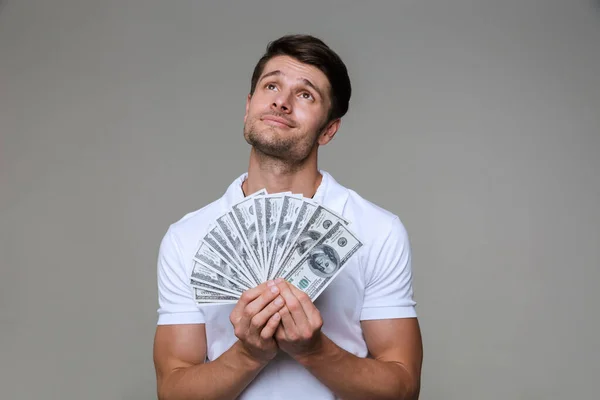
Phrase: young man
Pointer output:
(360, 339)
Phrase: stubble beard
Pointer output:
(290, 151)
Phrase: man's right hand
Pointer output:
(255, 319)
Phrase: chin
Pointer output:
(272, 143)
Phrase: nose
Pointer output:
(282, 102)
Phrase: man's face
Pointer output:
(287, 114)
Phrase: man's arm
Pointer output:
(393, 372)
(395, 346)
(180, 351)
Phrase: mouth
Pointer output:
(276, 121)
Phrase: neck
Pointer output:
(276, 175)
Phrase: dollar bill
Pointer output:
(290, 206)
(211, 260)
(207, 276)
(304, 213)
(206, 296)
(324, 260)
(259, 208)
(205, 286)
(227, 224)
(215, 239)
(321, 220)
(273, 204)
(265, 236)
(244, 216)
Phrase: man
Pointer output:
(360, 339)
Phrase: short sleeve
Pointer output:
(175, 297)
(388, 289)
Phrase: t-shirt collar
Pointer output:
(329, 192)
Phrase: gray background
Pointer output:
(477, 122)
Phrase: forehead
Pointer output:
(294, 70)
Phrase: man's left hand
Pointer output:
(299, 333)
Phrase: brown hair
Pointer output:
(310, 50)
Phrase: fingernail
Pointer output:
(278, 301)
(279, 280)
(270, 283)
(274, 289)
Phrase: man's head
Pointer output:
(299, 91)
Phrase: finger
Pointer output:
(246, 297)
(240, 313)
(257, 305)
(280, 332)
(308, 306)
(249, 295)
(290, 331)
(294, 307)
(260, 319)
(272, 324)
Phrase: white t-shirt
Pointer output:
(376, 283)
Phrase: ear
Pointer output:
(247, 106)
(329, 132)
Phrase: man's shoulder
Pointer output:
(360, 208)
(373, 221)
(191, 226)
(368, 210)
(356, 206)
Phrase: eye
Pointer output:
(306, 95)
(270, 86)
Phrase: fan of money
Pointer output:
(267, 236)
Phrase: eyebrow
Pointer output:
(304, 80)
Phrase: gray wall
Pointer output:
(477, 122)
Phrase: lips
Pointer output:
(277, 121)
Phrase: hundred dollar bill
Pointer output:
(211, 260)
(215, 239)
(205, 286)
(205, 296)
(321, 220)
(227, 224)
(273, 203)
(304, 213)
(244, 217)
(205, 275)
(289, 211)
(259, 209)
(324, 260)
